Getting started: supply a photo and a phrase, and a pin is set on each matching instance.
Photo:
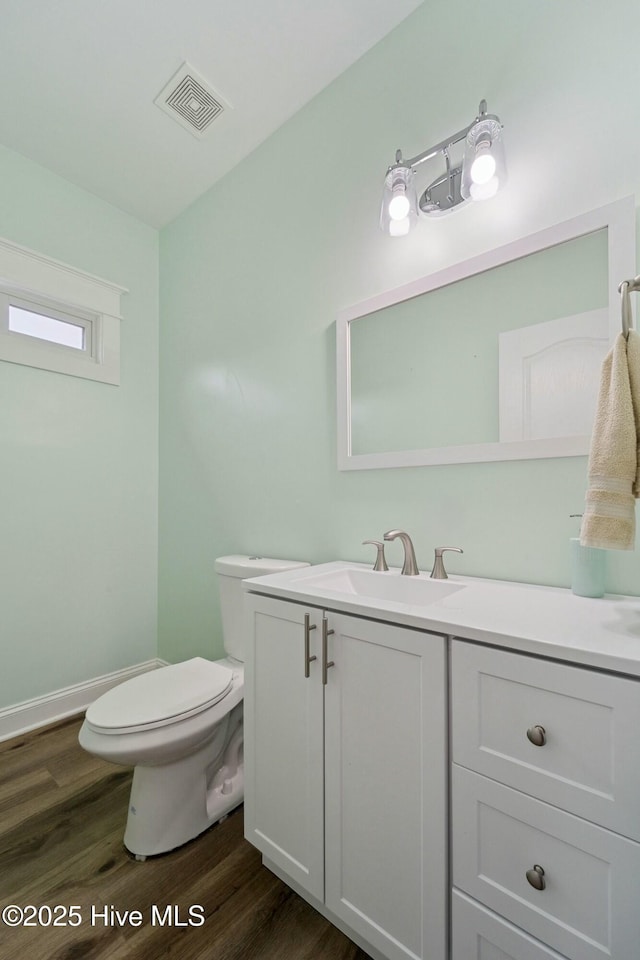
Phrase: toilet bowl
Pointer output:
(180, 727)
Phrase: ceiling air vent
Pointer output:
(190, 101)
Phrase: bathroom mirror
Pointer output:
(494, 358)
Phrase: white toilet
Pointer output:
(181, 728)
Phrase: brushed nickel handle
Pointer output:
(537, 735)
(535, 876)
(325, 663)
(308, 627)
(438, 572)
(381, 563)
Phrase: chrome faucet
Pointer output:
(410, 567)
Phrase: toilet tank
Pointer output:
(231, 572)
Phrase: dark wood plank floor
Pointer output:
(62, 817)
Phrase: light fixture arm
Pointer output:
(444, 145)
(432, 152)
(450, 187)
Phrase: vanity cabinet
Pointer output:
(466, 784)
(346, 770)
(545, 794)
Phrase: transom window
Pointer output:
(57, 317)
(48, 323)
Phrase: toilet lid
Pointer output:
(156, 697)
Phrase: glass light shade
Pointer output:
(484, 170)
(484, 165)
(399, 209)
(399, 204)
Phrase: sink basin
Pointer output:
(387, 586)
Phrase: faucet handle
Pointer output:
(381, 563)
(439, 572)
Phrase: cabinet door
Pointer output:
(283, 740)
(385, 777)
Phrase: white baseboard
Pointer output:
(41, 711)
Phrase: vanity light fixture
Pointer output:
(478, 176)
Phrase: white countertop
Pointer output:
(546, 621)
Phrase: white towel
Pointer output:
(613, 475)
(633, 363)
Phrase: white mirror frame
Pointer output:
(619, 220)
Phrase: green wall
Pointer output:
(254, 273)
(252, 277)
(79, 477)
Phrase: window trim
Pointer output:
(32, 281)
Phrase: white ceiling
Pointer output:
(79, 78)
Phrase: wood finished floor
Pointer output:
(62, 816)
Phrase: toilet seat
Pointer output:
(161, 697)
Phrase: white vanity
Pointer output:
(448, 770)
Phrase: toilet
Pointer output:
(180, 727)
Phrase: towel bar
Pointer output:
(624, 289)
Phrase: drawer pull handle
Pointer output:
(537, 735)
(535, 876)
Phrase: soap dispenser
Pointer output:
(587, 568)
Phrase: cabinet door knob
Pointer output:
(308, 627)
(535, 876)
(537, 735)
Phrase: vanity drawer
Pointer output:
(586, 722)
(479, 934)
(588, 908)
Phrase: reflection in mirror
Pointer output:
(495, 358)
(425, 373)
